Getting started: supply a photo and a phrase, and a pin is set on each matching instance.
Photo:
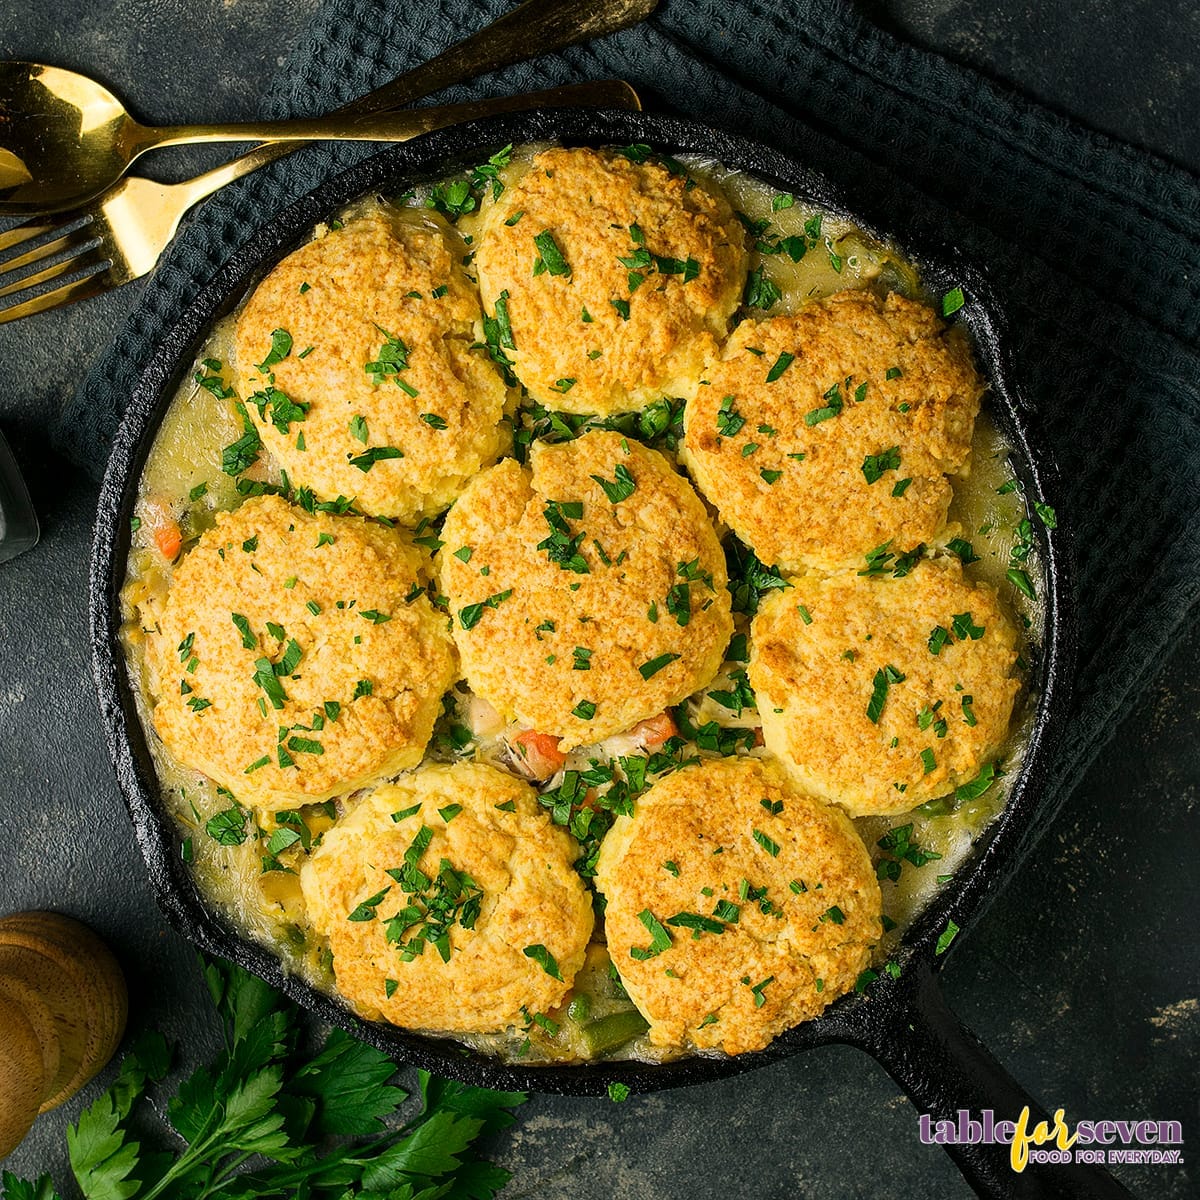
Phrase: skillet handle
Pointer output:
(944, 1067)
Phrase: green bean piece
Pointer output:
(608, 1033)
(580, 1008)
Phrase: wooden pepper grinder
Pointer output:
(63, 1005)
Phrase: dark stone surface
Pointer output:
(1083, 976)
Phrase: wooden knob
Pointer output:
(63, 1006)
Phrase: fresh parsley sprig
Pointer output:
(267, 1119)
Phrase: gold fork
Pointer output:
(121, 235)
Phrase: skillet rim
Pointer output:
(856, 1019)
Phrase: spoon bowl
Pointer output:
(63, 138)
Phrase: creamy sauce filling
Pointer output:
(254, 881)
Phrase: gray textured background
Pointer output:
(1084, 978)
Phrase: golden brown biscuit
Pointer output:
(825, 433)
(577, 613)
(386, 395)
(515, 917)
(882, 693)
(296, 656)
(641, 270)
(767, 896)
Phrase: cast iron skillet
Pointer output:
(904, 1023)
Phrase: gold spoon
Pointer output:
(64, 138)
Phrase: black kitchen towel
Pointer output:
(1095, 247)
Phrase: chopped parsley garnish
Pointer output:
(622, 307)
(564, 385)
(928, 761)
(976, 787)
(365, 911)
(652, 667)
(964, 627)
(283, 409)
(434, 905)
(242, 454)
(392, 360)
(963, 549)
(364, 687)
(434, 421)
(893, 373)
(968, 712)
(470, 616)
(585, 710)
(267, 679)
(760, 292)
(561, 547)
(952, 301)
(898, 847)
(939, 637)
(758, 989)
(550, 257)
(770, 477)
(749, 578)
(834, 403)
(544, 959)
(782, 363)
(874, 465)
(768, 844)
(883, 680)
(679, 602)
(498, 337)
(281, 347)
(729, 422)
(660, 938)
(1047, 514)
(900, 487)
(622, 487)
(946, 937)
(834, 914)
(365, 461)
(228, 828)
(1020, 580)
(737, 698)
(696, 922)
(880, 561)
(583, 659)
(249, 641)
(374, 616)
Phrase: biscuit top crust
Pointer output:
(882, 693)
(736, 906)
(431, 891)
(617, 278)
(588, 591)
(384, 395)
(826, 433)
(298, 656)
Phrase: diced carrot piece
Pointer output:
(539, 753)
(654, 731)
(169, 540)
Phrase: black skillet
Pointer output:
(904, 1023)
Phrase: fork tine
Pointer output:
(68, 266)
(79, 239)
(30, 231)
(81, 289)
